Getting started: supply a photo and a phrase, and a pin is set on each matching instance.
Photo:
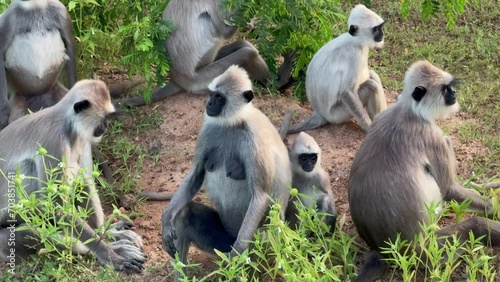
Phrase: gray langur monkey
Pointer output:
(66, 130)
(339, 84)
(36, 43)
(197, 52)
(242, 162)
(404, 164)
(311, 179)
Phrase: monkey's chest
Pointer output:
(34, 61)
(226, 183)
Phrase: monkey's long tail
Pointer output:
(373, 266)
(160, 94)
(117, 89)
(315, 121)
(286, 124)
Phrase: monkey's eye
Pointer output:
(303, 158)
(376, 29)
(218, 97)
(314, 157)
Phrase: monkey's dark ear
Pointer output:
(248, 95)
(80, 106)
(418, 93)
(353, 29)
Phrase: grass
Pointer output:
(469, 51)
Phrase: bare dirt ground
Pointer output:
(183, 117)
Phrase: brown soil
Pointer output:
(183, 117)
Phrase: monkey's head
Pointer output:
(230, 95)
(366, 26)
(429, 91)
(305, 153)
(30, 4)
(90, 109)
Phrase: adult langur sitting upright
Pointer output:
(339, 84)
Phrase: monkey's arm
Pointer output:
(184, 194)
(457, 192)
(253, 217)
(326, 202)
(356, 109)
(66, 31)
(4, 101)
(478, 204)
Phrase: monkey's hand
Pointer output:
(168, 234)
(126, 257)
(127, 235)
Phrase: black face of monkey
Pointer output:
(308, 161)
(378, 33)
(215, 104)
(450, 97)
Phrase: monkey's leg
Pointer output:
(256, 68)
(19, 107)
(246, 57)
(201, 225)
(479, 226)
(285, 78)
(23, 243)
(352, 103)
(460, 194)
(371, 94)
(326, 205)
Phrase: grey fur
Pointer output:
(197, 52)
(63, 132)
(339, 84)
(242, 133)
(30, 74)
(406, 162)
(315, 184)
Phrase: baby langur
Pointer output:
(36, 43)
(404, 164)
(310, 179)
(339, 84)
(67, 131)
(242, 162)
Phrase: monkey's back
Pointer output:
(342, 64)
(194, 35)
(388, 184)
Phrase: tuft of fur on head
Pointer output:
(87, 120)
(432, 106)
(365, 19)
(232, 83)
(304, 144)
(31, 4)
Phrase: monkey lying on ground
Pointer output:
(404, 164)
(242, 161)
(351, 85)
(197, 52)
(36, 43)
(67, 129)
